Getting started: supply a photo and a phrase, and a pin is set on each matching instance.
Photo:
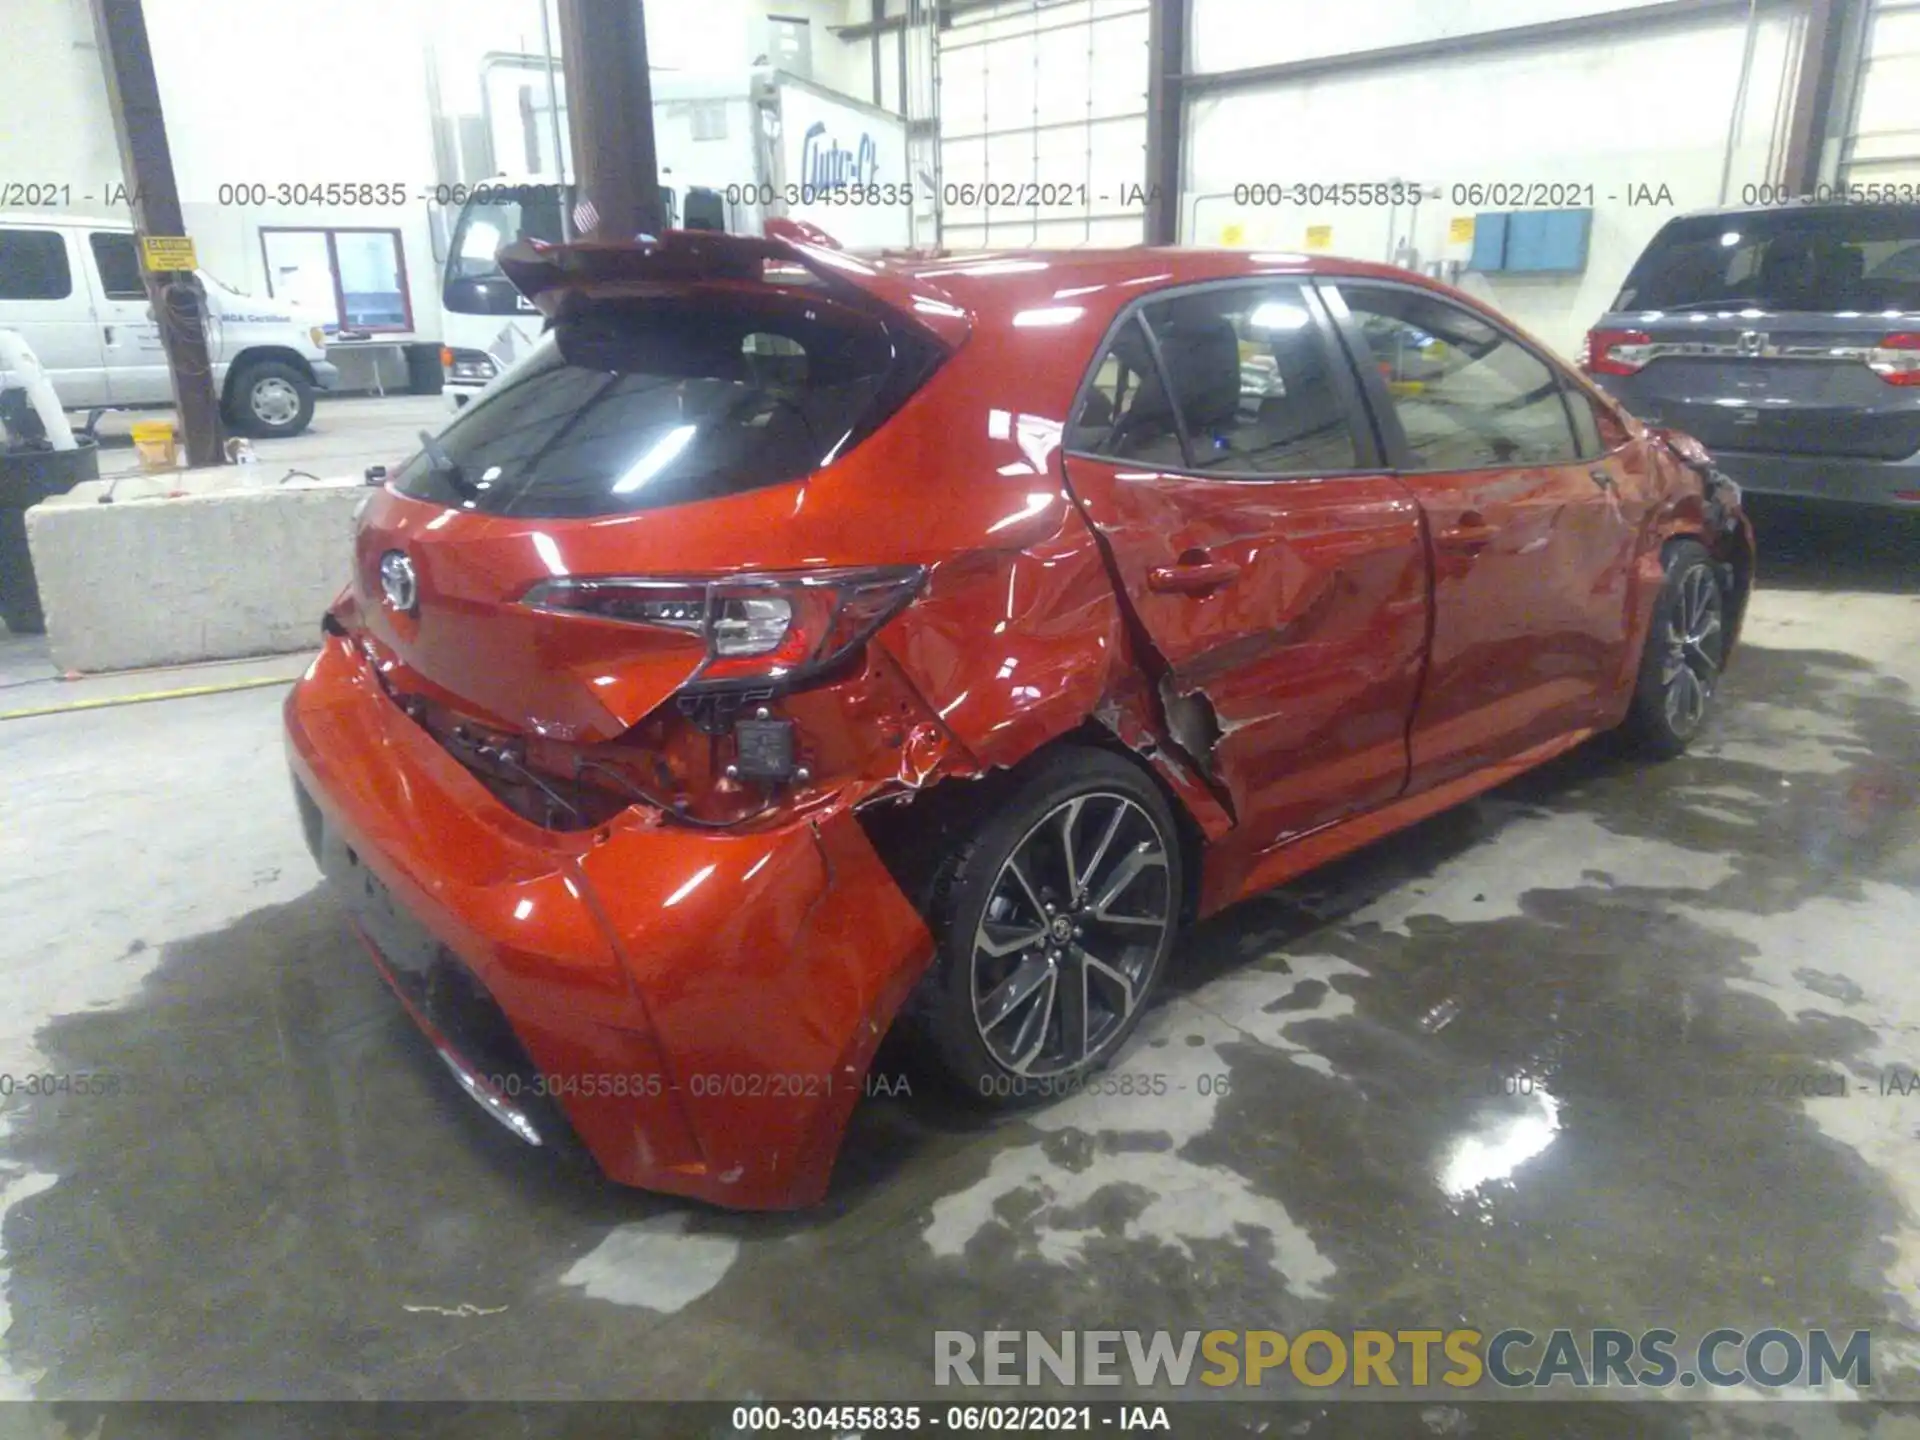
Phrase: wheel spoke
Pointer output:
(1010, 994)
(1069, 813)
(1094, 965)
(1032, 1037)
(1020, 876)
(1100, 850)
(998, 939)
(1139, 860)
(1076, 1033)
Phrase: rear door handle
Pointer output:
(1472, 533)
(1192, 579)
(1602, 477)
(109, 333)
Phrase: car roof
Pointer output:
(39, 219)
(997, 284)
(1802, 207)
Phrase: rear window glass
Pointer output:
(632, 404)
(1852, 258)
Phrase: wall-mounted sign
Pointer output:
(161, 253)
(1319, 237)
(829, 144)
(1460, 230)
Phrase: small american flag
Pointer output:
(586, 219)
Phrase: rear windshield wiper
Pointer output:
(441, 463)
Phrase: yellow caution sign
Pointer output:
(1460, 230)
(167, 252)
(1319, 237)
(1232, 233)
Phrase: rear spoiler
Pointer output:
(545, 274)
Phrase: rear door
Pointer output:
(44, 295)
(129, 334)
(1760, 332)
(1219, 448)
(1532, 520)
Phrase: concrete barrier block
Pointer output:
(213, 575)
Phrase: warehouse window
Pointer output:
(33, 265)
(356, 278)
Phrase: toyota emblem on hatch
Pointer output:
(398, 581)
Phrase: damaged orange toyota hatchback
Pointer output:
(795, 645)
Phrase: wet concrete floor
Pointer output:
(1536, 1063)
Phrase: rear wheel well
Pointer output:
(913, 834)
(254, 355)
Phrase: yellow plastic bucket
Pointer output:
(154, 440)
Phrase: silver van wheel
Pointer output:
(274, 401)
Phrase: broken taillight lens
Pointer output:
(1896, 359)
(757, 628)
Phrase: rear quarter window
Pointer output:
(632, 404)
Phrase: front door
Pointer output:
(136, 362)
(1532, 525)
(1277, 572)
(44, 295)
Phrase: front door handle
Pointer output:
(1602, 477)
(1194, 578)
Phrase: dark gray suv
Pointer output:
(1787, 340)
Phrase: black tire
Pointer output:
(269, 400)
(1685, 652)
(1118, 820)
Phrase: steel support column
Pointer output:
(603, 49)
(1166, 117)
(178, 301)
(1815, 93)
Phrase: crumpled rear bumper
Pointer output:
(701, 1007)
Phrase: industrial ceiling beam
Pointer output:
(1593, 26)
(603, 49)
(178, 302)
(1166, 117)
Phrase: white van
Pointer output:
(72, 287)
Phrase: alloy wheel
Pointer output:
(1695, 643)
(1074, 924)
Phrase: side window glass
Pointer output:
(1586, 425)
(1125, 412)
(33, 265)
(1251, 375)
(119, 265)
(1467, 397)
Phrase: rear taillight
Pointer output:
(757, 628)
(1615, 352)
(1896, 359)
